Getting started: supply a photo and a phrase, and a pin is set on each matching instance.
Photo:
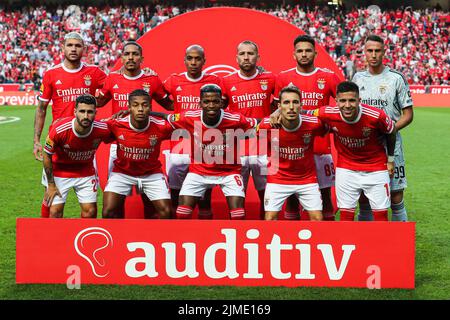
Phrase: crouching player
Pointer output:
(138, 137)
(214, 154)
(292, 169)
(68, 159)
(360, 132)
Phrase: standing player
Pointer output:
(117, 87)
(359, 134)
(68, 159)
(249, 92)
(62, 84)
(185, 88)
(214, 158)
(138, 137)
(317, 86)
(387, 89)
(291, 163)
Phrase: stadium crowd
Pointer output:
(418, 40)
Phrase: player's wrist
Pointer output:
(390, 159)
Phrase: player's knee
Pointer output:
(165, 212)
(110, 213)
(55, 212)
(315, 216)
(396, 196)
(271, 216)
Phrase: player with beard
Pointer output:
(317, 85)
(62, 84)
(249, 91)
(387, 89)
(69, 159)
(119, 84)
(184, 88)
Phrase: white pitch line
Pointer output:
(4, 120)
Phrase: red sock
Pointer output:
(380, 215)
(184, 212)
(205, 215)
(237, 214)
(328, 216)
(304, 215)
(348, 214)
(45, 210)
(291, 215)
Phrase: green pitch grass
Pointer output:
(427, 142)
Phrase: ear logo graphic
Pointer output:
(91, 257)
(220, 70)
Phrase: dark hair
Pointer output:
(374, 37)
(305, 38)
(86, 99)
(139, 93)
(134, 43)
(347, 86)
(292, 89)
(210, 87)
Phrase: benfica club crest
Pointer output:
(153, 140)
(366, 131)
(96, 143)
(263, 84)
(321, 83)
(383, 88)
(87, 80)
(146, 87)
(307, 138)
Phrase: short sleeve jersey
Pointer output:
(118, 86)
(72, 153)
(290, 151)
(214, 148)
(360, 143)
(138, 149)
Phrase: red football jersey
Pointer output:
(317, 88)
(73, 154)
(118, 86)
(62, 86)
(250, 96)
(214, 150)
(292, 159)
(185, 93)
(359, 143)
(138, 149)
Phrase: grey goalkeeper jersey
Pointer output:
(388, 90)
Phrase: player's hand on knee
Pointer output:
(37, 151)
(51, 193)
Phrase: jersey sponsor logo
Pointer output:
(146, 87)
(366, 131)
(264, 84)
(378, 103)
(321, 83)
(58, 82)
(87, 80)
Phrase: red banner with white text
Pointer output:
(218, 252)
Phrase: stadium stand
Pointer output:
(418, 40)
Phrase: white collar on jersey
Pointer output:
(79, 135)
(72, 70)
(294, 129)
(136, 129)
(306, 74)
(247, 78)
(217, 124)
(133, 78)
(192, 79)
(357, 118)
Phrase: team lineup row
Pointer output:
(249, 95)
